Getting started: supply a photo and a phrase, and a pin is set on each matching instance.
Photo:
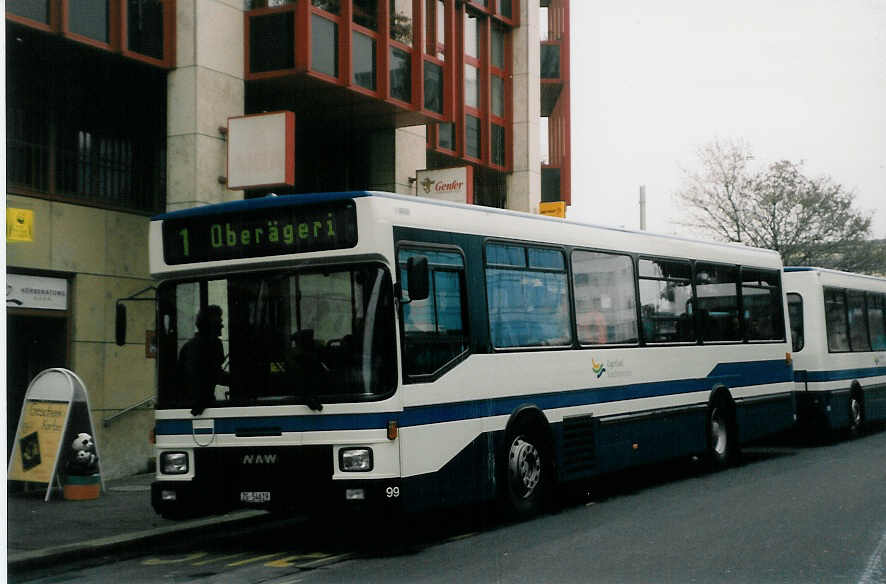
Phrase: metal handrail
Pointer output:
(144, 402)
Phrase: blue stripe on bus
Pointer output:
(840, 375)
(749, 373)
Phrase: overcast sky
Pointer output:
(801, 80)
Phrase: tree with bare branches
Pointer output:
(809, 221)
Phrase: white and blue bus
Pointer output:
(838, 328)
(378, 349)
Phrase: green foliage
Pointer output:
(809, 221)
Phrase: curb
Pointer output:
(17, 561)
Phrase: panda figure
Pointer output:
(84, 459)
(82, 442)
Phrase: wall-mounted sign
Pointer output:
(553, 209)
(447, 184)
(36, 292)
(261, 151)
(19, 224)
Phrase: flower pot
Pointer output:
(82, 488)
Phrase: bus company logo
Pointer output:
(259, 459)
(598, 368)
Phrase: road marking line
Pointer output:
(162, 562)
(218, 559)
(876, 567)
(325, 561)
(253, 560)
(289, 561)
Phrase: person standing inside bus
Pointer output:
(201, 358)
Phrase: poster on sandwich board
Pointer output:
(56, 409)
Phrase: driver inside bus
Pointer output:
(201, 358)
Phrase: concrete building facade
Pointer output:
(118, 109)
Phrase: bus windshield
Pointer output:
(304, 336)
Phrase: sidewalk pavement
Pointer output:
(43, 533)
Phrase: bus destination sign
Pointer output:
(253, 233)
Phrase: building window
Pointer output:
(473, 137)
(433, 87)
(401, 21)
(498, 96)
(550, 61)
(401, 75)
(472, 39)
(36, 10)
(144, 27)
(366, 13)
(472, 87)
(271, 42)
(330, 6)
(324, 46)
(89, 18)
(363, 58)
(498, 47)
(446, 136)
(505, 8)
(64, 144)
(498, 145)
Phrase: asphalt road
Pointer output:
(788, 513)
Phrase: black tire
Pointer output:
(722, 436)
(856, 413)
(525, 473)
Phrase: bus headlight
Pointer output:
(355, 459)
(174, 463)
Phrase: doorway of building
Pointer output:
(33, 343)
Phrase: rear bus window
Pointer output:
(762, 305)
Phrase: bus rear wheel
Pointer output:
(722, 444)
(856, 414)
(526, 477)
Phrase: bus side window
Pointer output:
(795, 314)
(435, 331)
(877, 320)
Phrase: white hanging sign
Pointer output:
(36, 292)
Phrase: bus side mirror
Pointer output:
(120, 324)
(418, 277)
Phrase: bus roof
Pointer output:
(794, 269)
(262, 203)
(312, 198)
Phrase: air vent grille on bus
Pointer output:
(579, 453)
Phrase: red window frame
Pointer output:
(117, 30)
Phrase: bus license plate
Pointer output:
(255, 496)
